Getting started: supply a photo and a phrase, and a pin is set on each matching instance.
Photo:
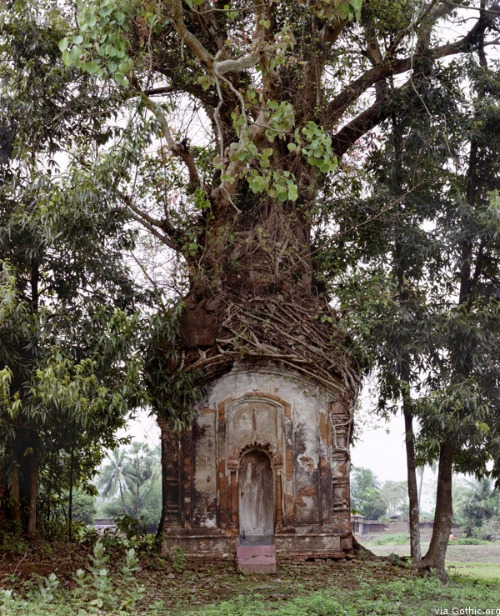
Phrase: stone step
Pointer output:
(256, 558)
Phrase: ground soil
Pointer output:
(201, 584)
(205, 584)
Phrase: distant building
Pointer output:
(105, 524)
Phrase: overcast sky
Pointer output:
(382, 450)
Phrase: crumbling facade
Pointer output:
(266, 462)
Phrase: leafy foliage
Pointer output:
(366, 496)
(68, 350)
(477, 506)
(132, 476)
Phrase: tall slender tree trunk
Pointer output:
(70, 499)
(32, 494)
(443, 516)
(405, 375)
(414, 505)
(15, 492)
(122, 497)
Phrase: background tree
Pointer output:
(67, 328)
(130, 484)
(367, 498)
(478, 508)
(395, 494)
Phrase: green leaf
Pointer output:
(293, 191)
(92, 67)
(356, 5)
(121, 79)
(343, 10)
(105, 10)
(258, 183)
(64, 44)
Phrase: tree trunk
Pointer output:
(414, 505)
(70, 499)
(32, 494)
(443, 516)
(15, 492)
(406, 375)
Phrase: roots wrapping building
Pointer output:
(266, 463)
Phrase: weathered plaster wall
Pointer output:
(303, 431)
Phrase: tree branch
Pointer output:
(153, 225)
(182, 149)
(195, 45)
(159, 90)
(365, 121)
(390, 66)
(190, 39)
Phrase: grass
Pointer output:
(489, 572)
(383, 586)
(396, 539)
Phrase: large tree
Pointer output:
(67, 364)
(426, 298)
(239, 114)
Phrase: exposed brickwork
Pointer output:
(304, 435)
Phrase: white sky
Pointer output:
(382, 450)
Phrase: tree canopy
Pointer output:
(286, 156)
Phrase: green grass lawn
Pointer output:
(475, 571)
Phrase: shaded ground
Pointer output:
(381, 584)
(205, 585)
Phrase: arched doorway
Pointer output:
(256, 498)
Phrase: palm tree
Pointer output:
(132, 472)
(115, 476)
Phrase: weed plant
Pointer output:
(94, 591)
(395, 539)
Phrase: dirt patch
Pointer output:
(208, 584)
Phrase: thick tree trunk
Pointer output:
(414, 508)
(443, 517)
(32, 494)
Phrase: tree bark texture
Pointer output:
(32, 494)
(414, 505)
(443, 516)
